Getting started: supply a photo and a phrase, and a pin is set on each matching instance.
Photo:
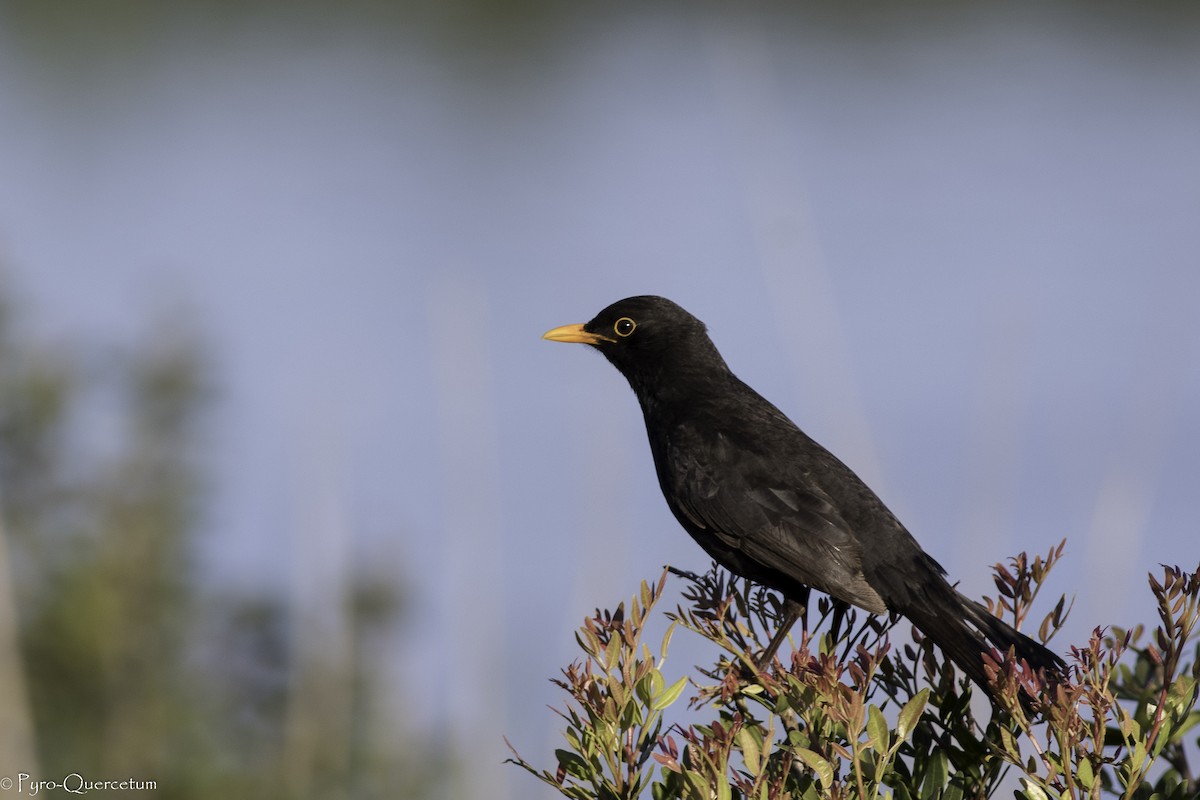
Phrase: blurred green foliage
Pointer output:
(118, 661)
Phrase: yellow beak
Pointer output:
(575, 333)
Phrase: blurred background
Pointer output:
(295, 501)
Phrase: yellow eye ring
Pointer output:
(624, 326)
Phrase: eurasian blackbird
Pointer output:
(769, 503)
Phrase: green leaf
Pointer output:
(817, 764)
(869, 763)
(667, 641)
(935, 776)
(1009, 744)
(751, 751)
(650, 686)
(1084, 773)
(1034, 792)
(1130, 728)
(877, 729)
(670, 695)
(631, 715)
(911, 713)
(1189, 722)
(696, 785)
(574, 764)
(1138, 757)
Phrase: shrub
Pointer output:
(851, 716)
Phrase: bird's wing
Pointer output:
(773, 514)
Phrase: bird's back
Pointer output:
(768, 501)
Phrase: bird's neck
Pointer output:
(680, 388)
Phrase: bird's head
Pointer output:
(650, 340)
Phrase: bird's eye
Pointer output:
(624, 326)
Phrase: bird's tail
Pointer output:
(1003, 636)
(965, 631)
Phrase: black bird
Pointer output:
(769, 503)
